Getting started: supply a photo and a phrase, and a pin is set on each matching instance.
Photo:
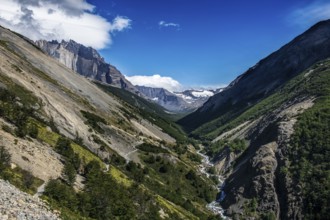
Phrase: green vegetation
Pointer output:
(146, 147)
(52, 138)
(20, 178)
(236, 146)
(18, 114)
(103, 197)
(147, 110)
(231, 116)
(177, 182)
(72, 159)
(309, 150)
(120, 177)
(127, 190)
(176, 210)
(94, 120)
(5, 158)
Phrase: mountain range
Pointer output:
(97, 147)
(177, 102)
(88, 62)
(92, 150)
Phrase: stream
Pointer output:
(215, 205)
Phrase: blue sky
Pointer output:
(192, 43)
(213, 42)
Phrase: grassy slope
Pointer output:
(309, 150)
(118, 173)
(148, 110)
(297, 87)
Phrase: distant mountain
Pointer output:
(180, 102)
(86, 61)
(265, 77)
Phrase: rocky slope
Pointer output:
(262, 79)
(64, 94)
(272, 142)
(15, 204)
(86, 61)
(179, 102)
(102, 152)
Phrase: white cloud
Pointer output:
(120, 23)
(311, 13)
(60, 19)
(169, 24)
(203, 93)
(156, 81)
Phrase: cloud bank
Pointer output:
(60, 19)
(156, 81)
(311, 13)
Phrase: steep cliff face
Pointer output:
(264, 78)
(86, 61)
(165, 98)
(257, 175)
(280, 172)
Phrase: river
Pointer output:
(214, 206)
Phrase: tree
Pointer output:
(5, 158)
(27, 178)
(69, 173)
(33, 130)
(63, 146)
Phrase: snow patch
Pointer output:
(185, 97)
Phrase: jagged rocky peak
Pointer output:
(165, 98)
(86, 61)
(186, 101)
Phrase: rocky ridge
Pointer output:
(265, 77)
(86, 61)
(181, 102)
(262, 162)
(15, 204)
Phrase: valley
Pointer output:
(77, 135)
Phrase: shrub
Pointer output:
(69, 173)
(5, 158)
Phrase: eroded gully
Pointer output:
(215, 205)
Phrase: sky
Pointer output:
(176, 44)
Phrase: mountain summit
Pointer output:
(266, 76)
(86, 61)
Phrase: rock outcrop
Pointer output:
(257, 172)
(86, 61)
